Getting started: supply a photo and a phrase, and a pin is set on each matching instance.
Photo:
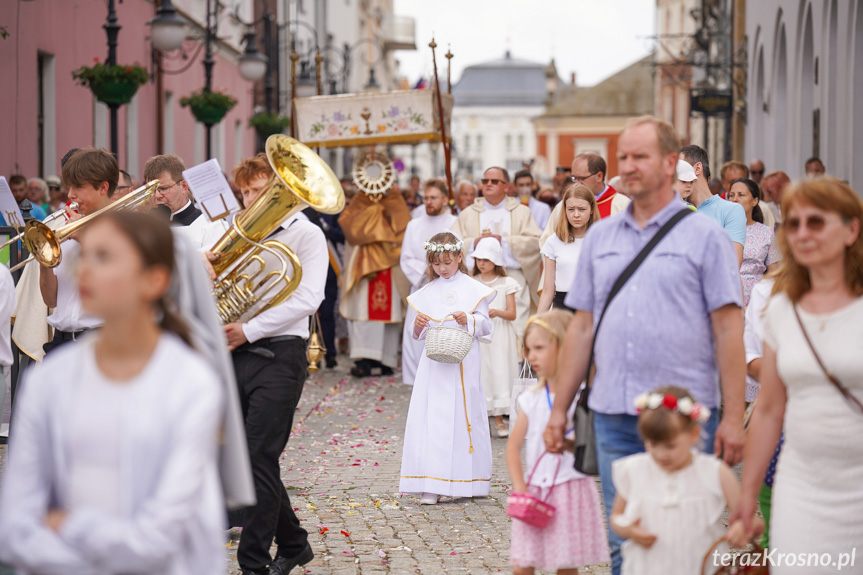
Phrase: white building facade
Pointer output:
(805, 88)
(492, 120)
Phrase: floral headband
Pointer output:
(439, 248)
(684, 405)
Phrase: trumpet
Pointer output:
(300, 179)
(44, 243)
(50, 219)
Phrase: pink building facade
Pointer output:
(44, 112)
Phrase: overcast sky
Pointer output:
(593, 38)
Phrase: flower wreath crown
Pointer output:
(684, 406)
(438, 248)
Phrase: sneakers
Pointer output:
(429, 499)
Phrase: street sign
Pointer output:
(710, 103)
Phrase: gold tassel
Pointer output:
(464, 397)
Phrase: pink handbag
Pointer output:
(529, 508)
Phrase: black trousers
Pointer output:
(62, 338)
(269, 392)
(557, 303)
(327, 313)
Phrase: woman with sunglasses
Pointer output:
(812, 380)
(760, 254)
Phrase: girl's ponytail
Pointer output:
(172, 322)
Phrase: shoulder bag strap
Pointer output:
(624, 277)
(830, 377)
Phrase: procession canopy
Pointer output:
(346, 120)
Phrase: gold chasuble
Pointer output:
(374, 230)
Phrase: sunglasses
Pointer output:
(812, 223)
(492, 181)
(758, 172)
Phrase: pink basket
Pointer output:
(529, 508)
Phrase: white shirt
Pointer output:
(7, 308)
(68, 315)
(291, 317)
(541, 212)
(93, 441)
(498, 220)
(565, 258)
(535, 405)
(413, 260)
(418, 211)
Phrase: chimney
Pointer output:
(572, 79)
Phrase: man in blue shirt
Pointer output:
(685, 296)
(731, 216)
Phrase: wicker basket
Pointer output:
(448, 344)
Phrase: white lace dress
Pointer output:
(500, 351)
(683, 509)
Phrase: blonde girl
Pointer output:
(447, 447)
(576, 535)
(562, 249)
(499, 350)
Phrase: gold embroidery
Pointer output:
(379, 297)
(447, 480)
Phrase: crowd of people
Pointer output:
(665, 300)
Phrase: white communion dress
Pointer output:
(682, 508)
(500, 351)
(447, 448)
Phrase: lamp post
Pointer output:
(112, 30)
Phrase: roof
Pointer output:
(628, 92)
(504, 82)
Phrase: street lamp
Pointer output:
(167, 30)
(253, 64)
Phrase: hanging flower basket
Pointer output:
(209, 107)
(112, 84)
(267, 124)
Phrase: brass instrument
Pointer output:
(49, 219)
(301, 179)
(44, 243)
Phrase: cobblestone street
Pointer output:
(341, 467)
(342, 471)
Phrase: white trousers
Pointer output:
(375, 340)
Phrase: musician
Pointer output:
(91, 175)
(173, 190)
(269, 353)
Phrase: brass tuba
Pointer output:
(301, 179)
(44, 243)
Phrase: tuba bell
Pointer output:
(300, 179)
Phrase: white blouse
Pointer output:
(535, 404)
(565, 258)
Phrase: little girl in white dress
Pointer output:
(670, 500)
(500, 348)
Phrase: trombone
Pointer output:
(50, 219)
(44, 243)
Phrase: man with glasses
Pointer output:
(588, 169)
(510, 223)
(124, 186)
(436, 217)
(173, 190)
(756, 171)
